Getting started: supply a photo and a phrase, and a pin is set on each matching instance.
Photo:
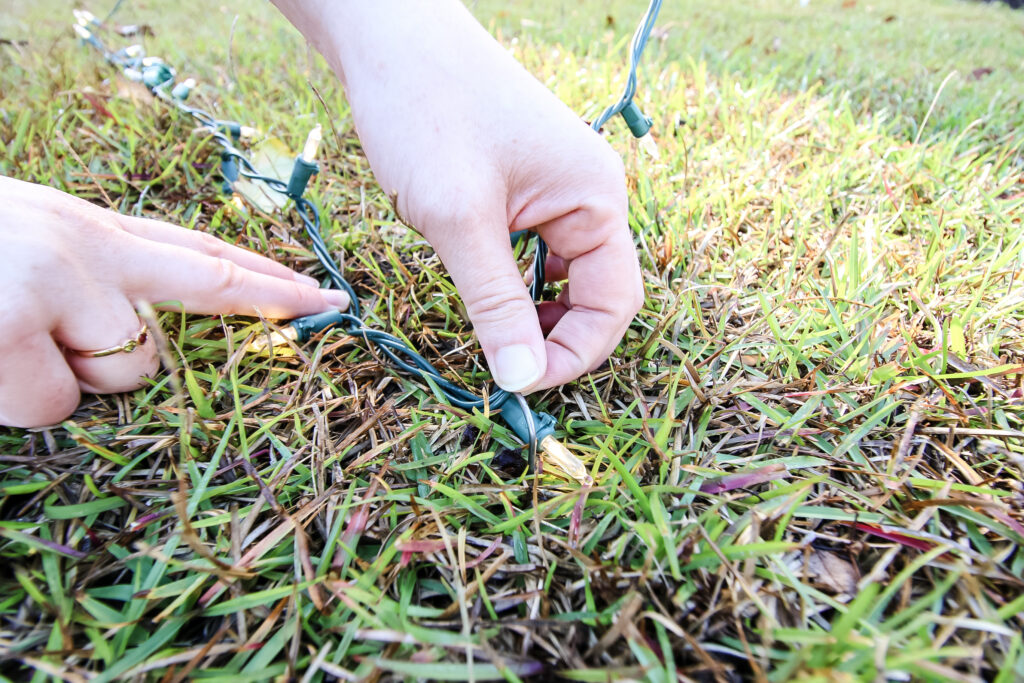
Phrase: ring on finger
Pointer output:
(128, 346)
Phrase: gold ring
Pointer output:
(134, 342)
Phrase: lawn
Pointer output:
(807, 453)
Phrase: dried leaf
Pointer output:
(831, 572)
(744, 479)
(133, 90)
(980, 73)
(271, 158)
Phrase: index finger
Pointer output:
(158, 271)
(206, 243)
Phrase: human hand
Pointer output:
(472, 147)
(73, 275)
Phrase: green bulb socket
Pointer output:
(155, 75)
(229, 169)
(302, 171)
(512, 414)
(639, 125)
(309, 325)
(181, 91)
(87, 36)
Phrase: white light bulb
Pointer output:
(650, 146)
(277, 338)
(84, 17)
(312, 143)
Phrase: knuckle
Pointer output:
(606, 214)
(83, 215)
(502, 302)
(611, 203)
(83, 233)
(434, 202)
(306, 297)
(607, 169)
(442, 212)
(609, 216)
(210, 245)
(228, 278)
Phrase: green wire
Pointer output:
(159, 77)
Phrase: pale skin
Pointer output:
(471, 146)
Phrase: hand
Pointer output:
(473, 147)
(73, 274)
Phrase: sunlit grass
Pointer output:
(807, 452)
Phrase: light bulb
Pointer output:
(312, 143)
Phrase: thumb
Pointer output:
(481, 264)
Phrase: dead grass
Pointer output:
(807, 452)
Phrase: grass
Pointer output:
(808, 451)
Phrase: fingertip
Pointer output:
(518, 367)
(337, 298)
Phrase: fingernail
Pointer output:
(336, 297)
(307, 280)
(516, 367)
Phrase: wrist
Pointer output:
(366, 42)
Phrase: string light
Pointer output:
(639, 125)
(535, 429)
